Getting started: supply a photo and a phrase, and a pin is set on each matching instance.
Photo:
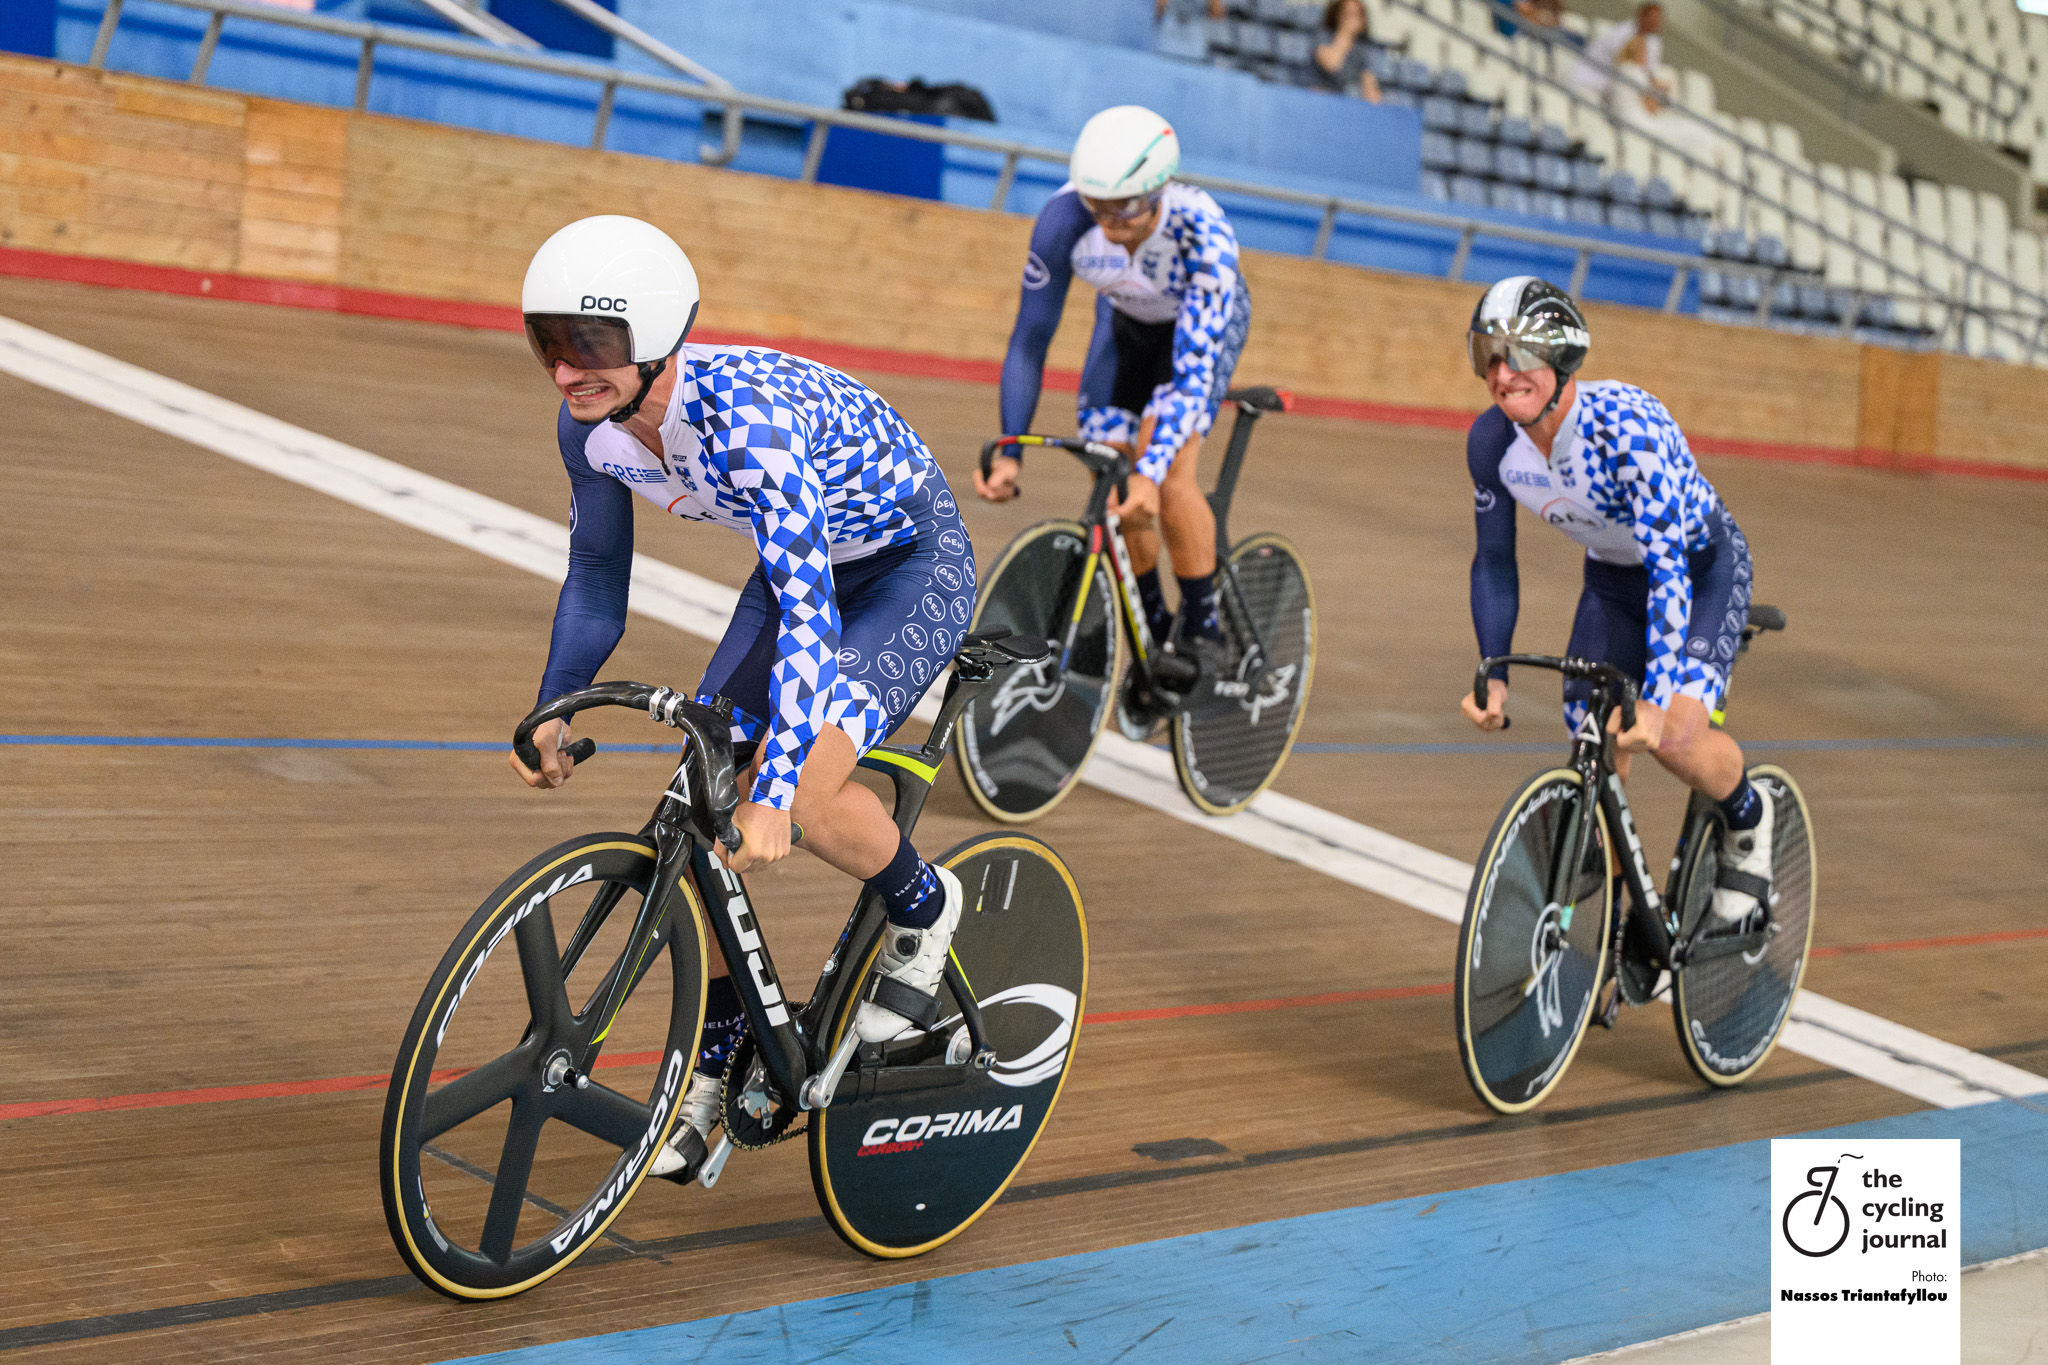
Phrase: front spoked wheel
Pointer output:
(901, 1173)
(1024, 740)
(529, 1094)
(1529, 958)
(1734, 991)
(1235, 732)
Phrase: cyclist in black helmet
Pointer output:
(1668, 575)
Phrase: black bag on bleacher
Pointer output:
(877, 96)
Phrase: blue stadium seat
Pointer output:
(1439, 151)
(1657, 193)
(1785, 298)
(1516, 131)
(1666, 224)
(1435, 185)
(1553, 172)
(1587, 178)
(1553, 138)
(1550, 204)
(1415, 75)
(1469, 190)
(1626, 218)
(1384, 63)
(1475, 157)
(1770, 250)
(1475, 119)
(1814, 301)
(1744, 291)
(1440, 114)
(1623, 189)
(1587, 211)
(1713, 288)
(1254, 39)
(1450, 81)
(1184, 38)
(1515, 164)
(1510, 198)
(1223, 35)
(1394, 97)
(1293, 46)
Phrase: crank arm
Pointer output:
(714, 1165)
(817, 1091)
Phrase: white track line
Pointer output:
(1863, 1044)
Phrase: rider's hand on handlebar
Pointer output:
(1000, 485)
(1494, 717)
(1138, 509)
(1647, 734)
(764, 837)
(555, 766)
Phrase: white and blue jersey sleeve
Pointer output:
(1208, 252)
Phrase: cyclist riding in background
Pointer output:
(1667, 578)
(861, 597)
(1170, 320)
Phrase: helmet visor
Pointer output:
(1488, 350)
(580, 341)
(1121, 210)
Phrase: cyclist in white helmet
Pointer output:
(1171, 315)
(863, 590)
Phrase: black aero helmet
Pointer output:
(1531, 324)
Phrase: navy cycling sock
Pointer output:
(909, 891)
(1198, 606)
(724, 1021)
(1152, 598)
(1742, 808)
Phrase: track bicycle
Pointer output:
(1234, 715)
(499, 1167)
(1540, 936)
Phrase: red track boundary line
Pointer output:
(161, 279)
(220, 1094)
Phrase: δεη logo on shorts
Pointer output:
(891, 664)
(1482, 498)
(934, 606)
(897, 700)
(960, 610)
(920, 671)
(1699, 646)
(849, 657)
(917, 638)
(948, 576)
(1036, 275)
(945, 505)
(952, 542)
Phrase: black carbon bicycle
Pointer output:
(499, 1167)
(1023, 747)
(1541, 937)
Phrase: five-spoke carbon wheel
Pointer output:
(1235, 732)
(529, 1095)
(1732, 995)
(1533, 945)
(1023, 742)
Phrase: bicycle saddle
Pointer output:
(983, 651)
(1766, 618)
(1262, 397)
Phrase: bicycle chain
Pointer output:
(742, 1129)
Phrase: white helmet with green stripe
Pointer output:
(1123, 153)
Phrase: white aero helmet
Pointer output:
(608, 292)
(1123, 153)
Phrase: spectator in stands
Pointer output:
(1341, 62)
(1641, 100)
(1544, 14)
(1594, 73)
(1159, 8)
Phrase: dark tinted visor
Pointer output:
(1520, 356)
(580, 341)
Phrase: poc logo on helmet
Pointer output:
(593, 302)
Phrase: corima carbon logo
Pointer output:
(582, 874)
(885, 1137)
(622, 1180)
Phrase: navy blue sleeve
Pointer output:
(1048, 270)
(590, 615)
(1496, 582)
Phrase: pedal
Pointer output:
(1176, 673)
(689, 1148)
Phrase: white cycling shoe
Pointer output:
(913, 958)
(1744, 881)
(682, 1156)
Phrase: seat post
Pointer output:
(1226, 477)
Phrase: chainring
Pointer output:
(780, 1122)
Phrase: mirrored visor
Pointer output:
(1486, 350)
(1120, 210)
(580, 341)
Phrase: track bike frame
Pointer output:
(695, 810)
(1164, 677)
(1665, 941)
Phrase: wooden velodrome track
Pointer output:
(180, 919)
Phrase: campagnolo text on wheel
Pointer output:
(1229, 672)
(1666, 611)
(612, 1011)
